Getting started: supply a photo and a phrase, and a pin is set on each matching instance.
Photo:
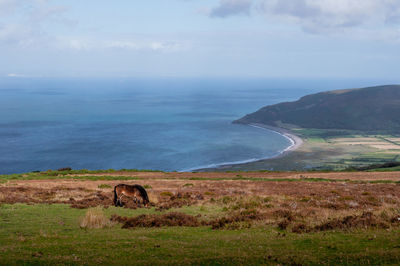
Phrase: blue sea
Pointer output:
(165, 124)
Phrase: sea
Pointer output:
(168, 124)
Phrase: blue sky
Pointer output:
(200, 38)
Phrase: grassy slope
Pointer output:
(50, 234)
(367, 109)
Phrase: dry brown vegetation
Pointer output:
(152, 220)
(297, 206)
(95, 218)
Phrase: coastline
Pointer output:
(296, 142)
(294, 139)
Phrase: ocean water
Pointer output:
(163, 124)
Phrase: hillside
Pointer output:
(366, 109)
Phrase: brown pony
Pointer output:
(137, 192)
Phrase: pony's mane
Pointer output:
(143, 192)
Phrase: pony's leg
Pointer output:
(120, 200)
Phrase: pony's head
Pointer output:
(146, 202)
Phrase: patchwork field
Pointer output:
(329, 150)
(380, 143)
(204, 218)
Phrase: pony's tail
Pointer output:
(115, 196)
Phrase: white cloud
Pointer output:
(14, 75)
(144, 44)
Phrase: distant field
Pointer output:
(385, 144)
(250, 218)
(338, 150)
(329, 149)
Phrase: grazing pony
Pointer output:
(137, 192)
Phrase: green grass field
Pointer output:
(50, 234)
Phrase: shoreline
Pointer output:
(296, 142)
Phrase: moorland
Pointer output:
(296, 218)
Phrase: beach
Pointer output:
(296, 142)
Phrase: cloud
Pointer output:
(231, 7)
(7, 7)
(25, 22)
(143, 45)
(317, 16)
(91, 44)
(18, 35)
(14, 75)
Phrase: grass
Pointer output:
(385, 169)
(38, 176)
(105, 186)
(5, 178)
(54, 174)
(50, 234)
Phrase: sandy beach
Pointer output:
(295, 141)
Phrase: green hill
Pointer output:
(366, 109)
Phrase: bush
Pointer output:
(152, 220)
(64, 169)
(166, 194)
(104, 186)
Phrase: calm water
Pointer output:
(164, 124)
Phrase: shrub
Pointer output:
(188, 185)
(152, 220)
(64, 169)
(300, 228)
(236, 220)
(247, 203)
(95, 218)
(147, 186)
(226, 199)
(267, 199)
(166, 194)
(283, 224)
(104, 186)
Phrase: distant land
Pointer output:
(340, 129)
(369, 109)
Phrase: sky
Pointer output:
(200, 38)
